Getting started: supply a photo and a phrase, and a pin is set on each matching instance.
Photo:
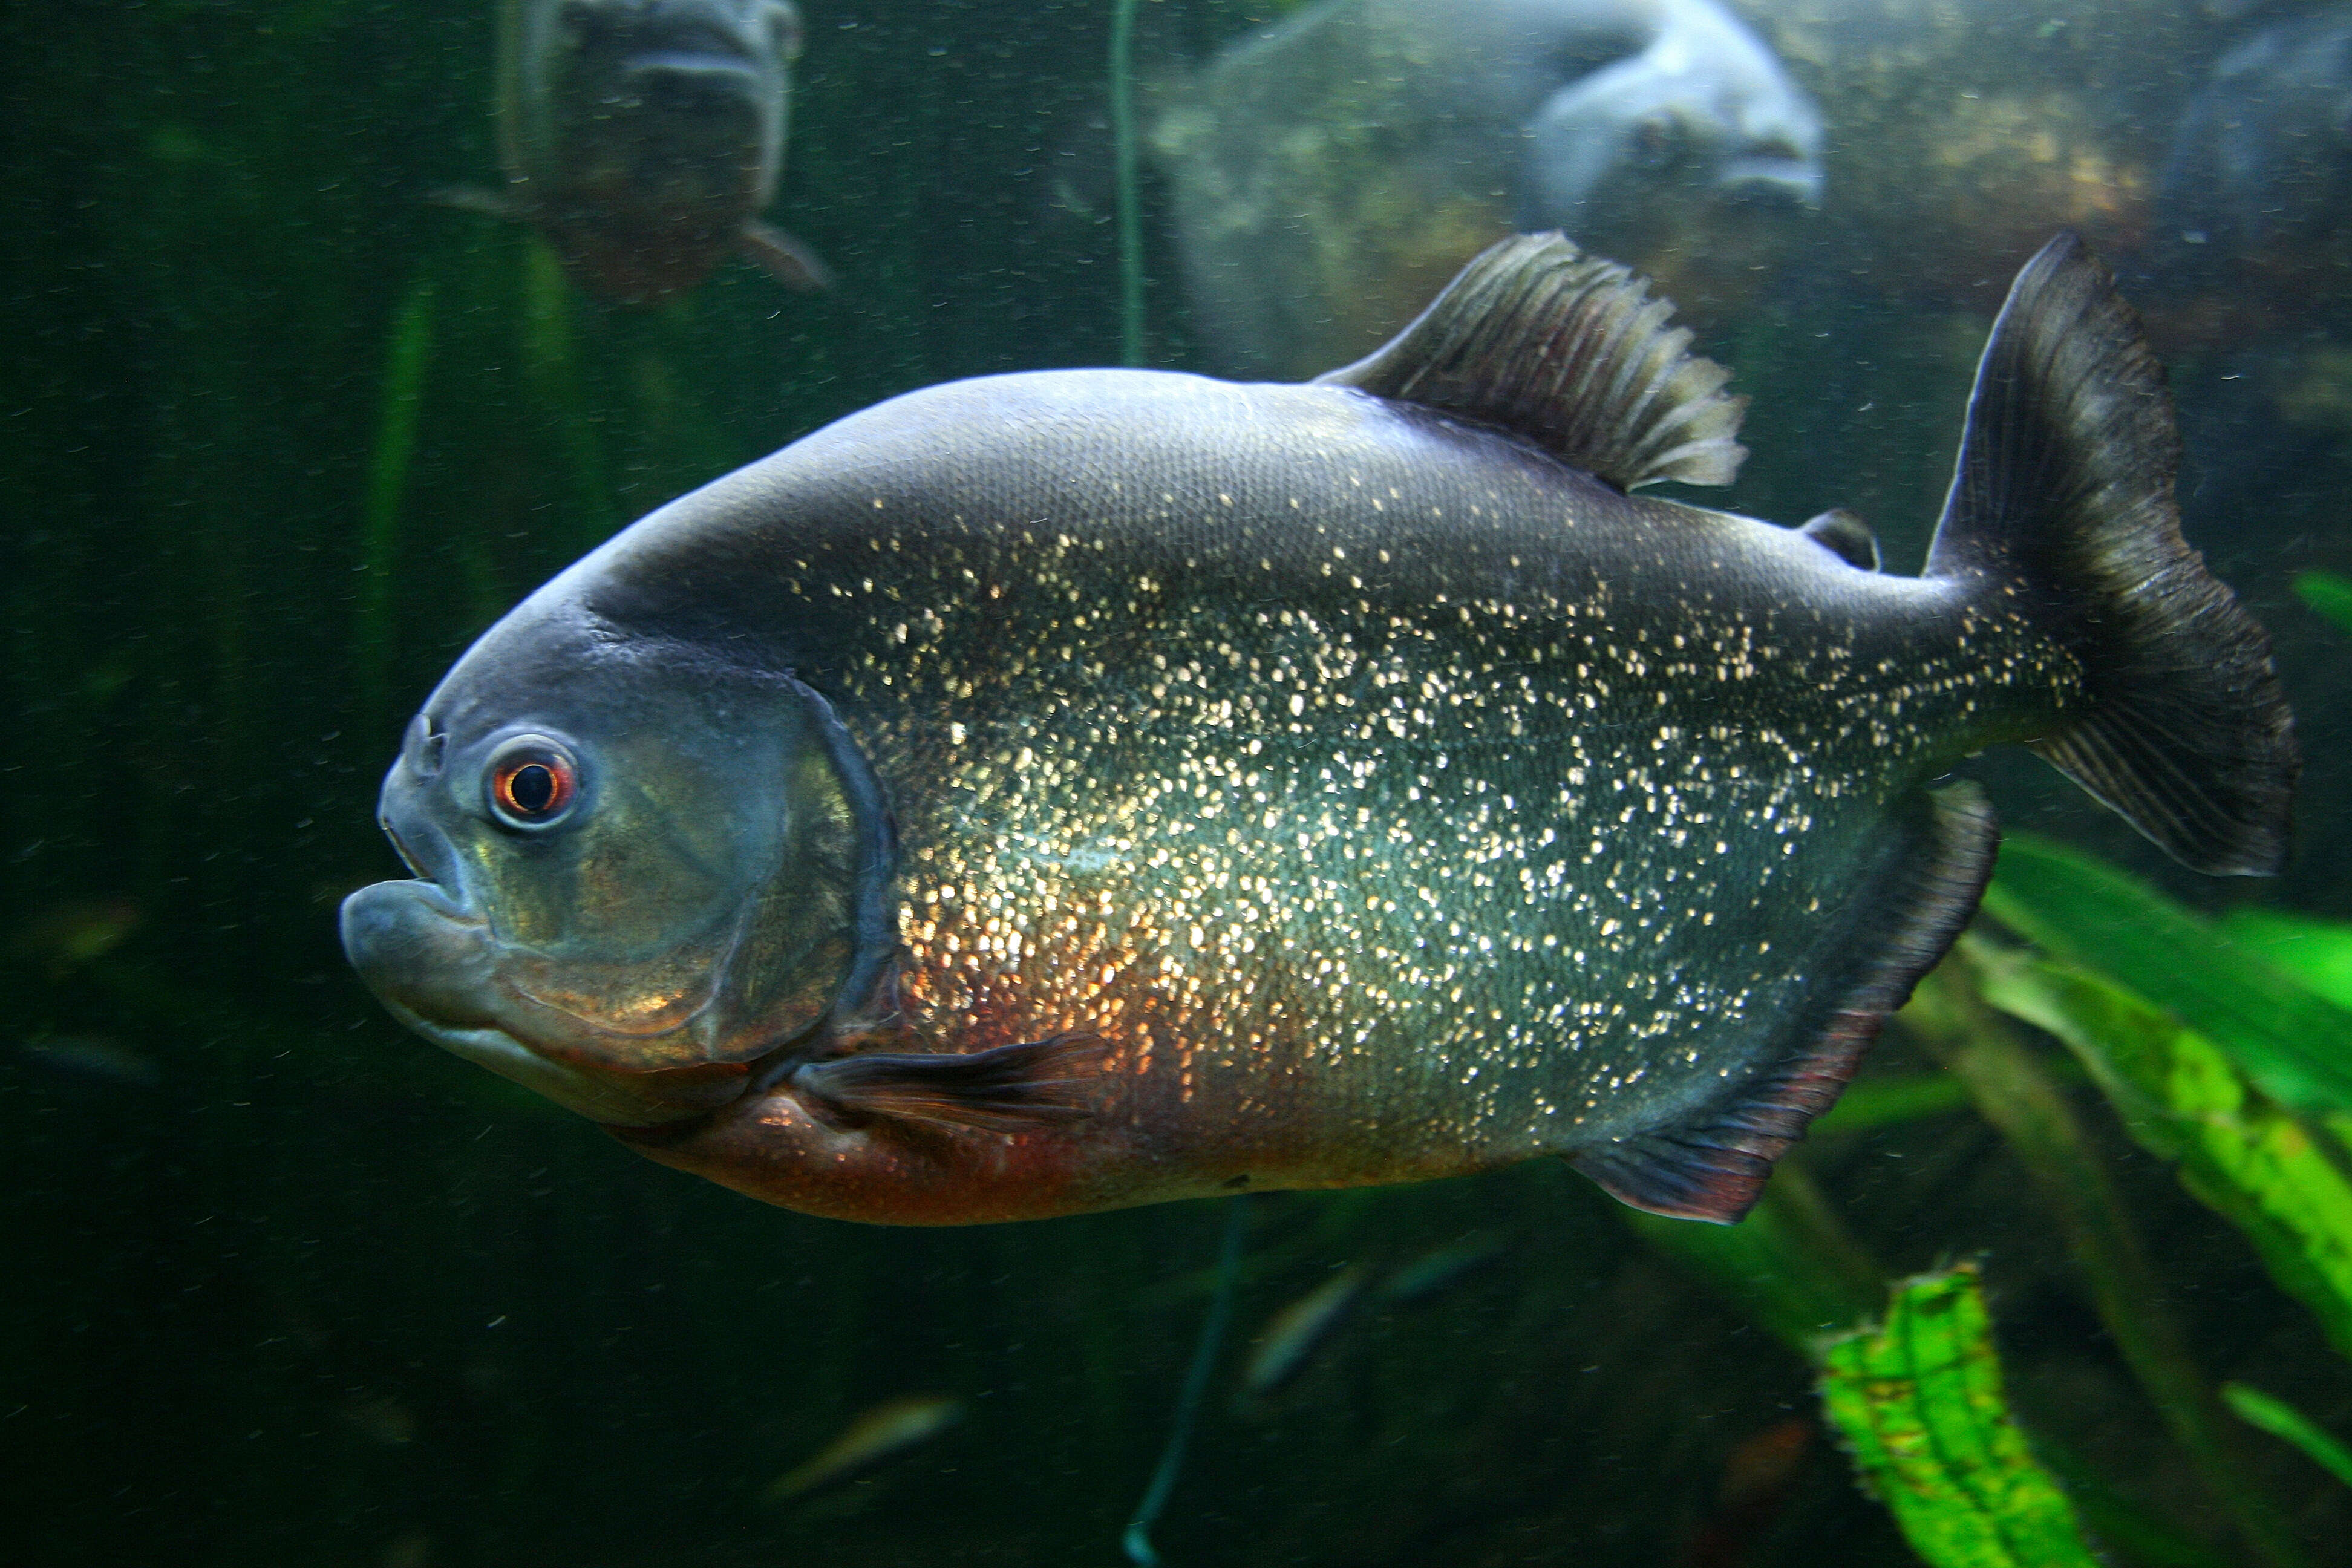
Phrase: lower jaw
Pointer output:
(596, 1097)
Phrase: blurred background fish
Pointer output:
(92, 1062)
(2260, 167)
(67, 935)
(1291, 1335)
(1758, 1473)
(1441, 1267)
(888, 1428)
(1330, 172)
(645, 137)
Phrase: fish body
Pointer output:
(67, 936)
(1054, 791)
(645, 137)
(1330, 172)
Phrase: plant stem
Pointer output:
(1791, 1265)
(1136, 1540)
(395, 447)
(2012, 1092)
(1131, 210)
(550, 363)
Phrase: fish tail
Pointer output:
(2062, 505)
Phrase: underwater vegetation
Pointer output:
(1918, 1399)
(2234, 1080)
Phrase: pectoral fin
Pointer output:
(1013, 1088)
(784, 258)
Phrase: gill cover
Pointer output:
(632, 887)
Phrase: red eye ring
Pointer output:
(532, 782)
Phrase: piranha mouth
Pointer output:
(1768, 182)
(695, 85)
(433, 966)
(711, 62)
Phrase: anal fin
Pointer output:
(1012, 1088)
(1714, 1167)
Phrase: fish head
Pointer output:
(637, 868)
(1701, 140)
(676, 105)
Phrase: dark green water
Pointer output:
(280, 1283)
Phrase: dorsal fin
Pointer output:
(1570, 351)
(1846, 536)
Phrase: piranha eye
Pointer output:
(532, 782)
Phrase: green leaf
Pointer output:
(2294, 1043)
(1918, 1402)
(2283, 1421)
(2328, 594)
(2243, 1154)
(2317, 952)
(1886, 1102)
(1790, 1265)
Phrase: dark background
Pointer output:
(281, 1283)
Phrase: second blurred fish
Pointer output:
(644, 138)
(883, 1430)
(1282, 1345)
(1435, 1269)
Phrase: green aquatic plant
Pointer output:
(1791, 1266)
(2124, 1526)
(409, 347)
(1135, 1541)
(2317, 952)
(1918, 1399)
(2285, 1422)
(1889, 1101)
(2287, 1038)
(1954, 1021)
(2328, 593)
(1129, 200)
(550, 363)
(2249, 1159)
(2187, 1077)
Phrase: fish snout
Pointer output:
(419, 950)
(698, 36)
(435, 965)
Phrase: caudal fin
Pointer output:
(2064, 495)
